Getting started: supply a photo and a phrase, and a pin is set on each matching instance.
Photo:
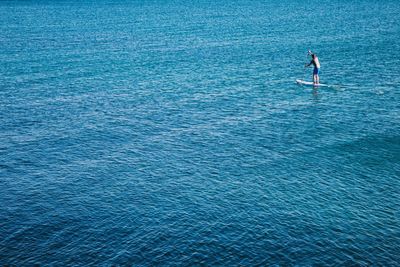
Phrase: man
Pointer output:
(317, 66)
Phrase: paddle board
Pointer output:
(304, 83)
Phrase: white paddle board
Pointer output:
(304, 83)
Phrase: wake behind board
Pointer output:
(304, 83)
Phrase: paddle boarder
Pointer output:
(317, 66)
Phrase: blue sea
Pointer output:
(173, 133)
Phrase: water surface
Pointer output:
(173, 133)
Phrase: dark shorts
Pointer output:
(316, 71)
